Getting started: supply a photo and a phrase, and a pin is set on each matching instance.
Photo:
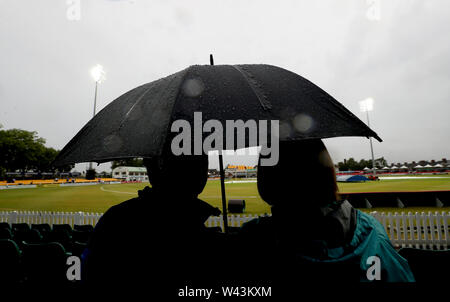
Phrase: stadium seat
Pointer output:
(84, 228)
(11, 271)
(5, 234)
(28, 236)
(81, 236)
(20, 227)
(5, 225)
(42, 228)
(45, 263)
(428, 265)
(61, 236)
(66, 227)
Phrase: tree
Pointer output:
(352, 165)
(20, 149)
(349, 165)
(24, 150)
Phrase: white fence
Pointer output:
(233, 220)
(35, 217)
(421, 230)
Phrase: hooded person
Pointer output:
(157, 240)
(312, 234)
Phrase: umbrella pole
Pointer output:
(222, 178)
(224, 200)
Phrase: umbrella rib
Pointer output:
(183, 74)
(255, 86)
(134, 105)
(341, 107)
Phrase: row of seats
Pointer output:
(46, 227)
(33, 263)
(38, 254)
(73, 240)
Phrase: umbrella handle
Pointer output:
(224, 200)
(222, 178)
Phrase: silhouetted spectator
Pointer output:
(158, 240)
(313, 236)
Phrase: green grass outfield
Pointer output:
(98, 198)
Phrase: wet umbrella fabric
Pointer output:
(138, 123)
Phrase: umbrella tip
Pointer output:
(211, 59)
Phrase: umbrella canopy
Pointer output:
(138, 123)
(438, 166)
(428, 166)
(418, 167)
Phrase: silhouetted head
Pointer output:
(303, 178)
(184, 175)
(300, 188)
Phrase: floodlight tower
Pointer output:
(366, 106)
(98, 74)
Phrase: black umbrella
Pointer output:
(138, 123)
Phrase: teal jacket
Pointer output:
(370, 239)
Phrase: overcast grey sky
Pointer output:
(397, 52)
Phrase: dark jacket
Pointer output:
(154, 241)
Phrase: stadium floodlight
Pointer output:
(98, 74)
(366, 106)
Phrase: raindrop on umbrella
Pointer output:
(193, 87)
(303, 123)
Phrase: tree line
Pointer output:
(352, 165)
(22, 151)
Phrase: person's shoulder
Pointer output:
(369, 221)
(129, 204)
(121, 211)
(369, 228)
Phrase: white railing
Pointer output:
(233, 220)
(37, 217)
(421, 230)
(81, 218)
